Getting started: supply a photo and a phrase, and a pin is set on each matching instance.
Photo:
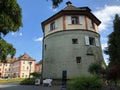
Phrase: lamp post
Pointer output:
(30, 68)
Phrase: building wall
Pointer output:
(60, 53)
(18, 68)
(39, 68)
(64, 23)
(25, 69)
(1, 69)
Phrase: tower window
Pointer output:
(75, 41)
(52, 26)
(45, 46)
(78, 59)
(92, 41)
(75, 20)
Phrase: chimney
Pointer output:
(68, 3)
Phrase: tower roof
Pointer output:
(72, 10)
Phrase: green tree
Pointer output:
(10, 16)
(5, 50)
(95, 68)
(113, 49)
(10, 21)
(114, 41)
(56, 3)
(35, 74)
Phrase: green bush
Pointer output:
(28, 81)
(85, 83)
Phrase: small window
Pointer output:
(92, 41)
(45, 46)
(52, 26)
(92, 24)
(78, 59)
(23, 62)
(22, 74)
(5, 69)
(27, 67)
(0, 64)
(75, 41)
(75, 20)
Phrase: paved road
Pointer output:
(16, 86)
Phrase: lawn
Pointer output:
(10, 80)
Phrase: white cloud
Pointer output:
(104, 38)
(13, 33)
(16, 34)
(20, 34)
(52, 9)
(104, 45)
(106, 16)
(39, 39)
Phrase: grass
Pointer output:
(11, 80)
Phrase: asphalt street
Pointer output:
(17, 86)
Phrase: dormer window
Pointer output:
(52, 26)
(75, 20)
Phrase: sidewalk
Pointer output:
(16, 86)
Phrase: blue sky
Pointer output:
(29, 38)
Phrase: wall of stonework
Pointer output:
(59, 53)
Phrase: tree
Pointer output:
(35, 74)
(5, 50)
(10, 16)
(10, 21)
(113, 49)
(56, 3)
(95, 68)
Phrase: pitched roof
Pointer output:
(10, 60)
(25, 56)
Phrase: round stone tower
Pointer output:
(71, 43)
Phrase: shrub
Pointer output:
(28, 81)
(85, 83)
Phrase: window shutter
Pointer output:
(90, 23)
(87, 40)
(56, 24)
(97, 42)
(80, 19)
(48, 27)
(68, 19)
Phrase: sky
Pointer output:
(29, 37)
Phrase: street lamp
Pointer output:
(30, 68)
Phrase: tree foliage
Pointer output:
(56, 3)
(35, 74)
(10, 16)
(95, 68)
(10, 21)
(114, 41)
(5, 50)
(113, 49)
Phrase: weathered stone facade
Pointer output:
(70, 46)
